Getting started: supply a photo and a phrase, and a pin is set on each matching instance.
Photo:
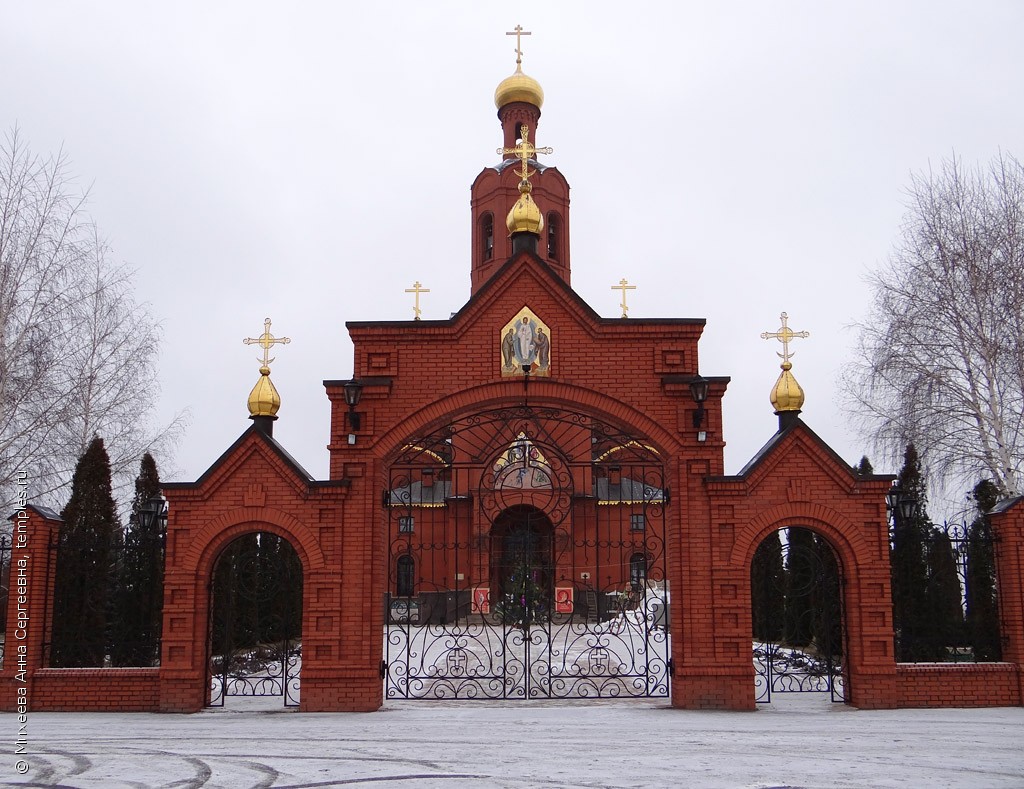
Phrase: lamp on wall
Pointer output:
(153, 513)
(353, 392)
(902, 506)
(699, 392)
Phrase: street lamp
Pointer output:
(699, 392)
(353, 393)
(902, 506)
(153, 513)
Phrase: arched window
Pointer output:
(554, 228)
(405, 584)
(637, 571)
(487, 235)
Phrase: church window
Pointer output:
(406, 524)
(487, 235)
(554, 227)
(637, 522)
(406, 576)
(637, 570)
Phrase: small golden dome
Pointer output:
(525, 216)
(519, 87)
(264, 399)
(787, 394)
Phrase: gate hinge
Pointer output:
(671, 668)
(383, 669)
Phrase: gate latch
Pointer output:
(671, 668)
(383, 669)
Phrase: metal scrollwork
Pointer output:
(526, 561)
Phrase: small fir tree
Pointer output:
(982, 619)
(140, 577)
(864, 468)
(801, 583)
(942, 598)
(83, 578)
(767, 589)
(909, 566)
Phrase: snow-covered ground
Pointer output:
(801, 741)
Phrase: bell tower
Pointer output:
(496, 190)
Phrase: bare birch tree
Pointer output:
(77, 353)
(941, 354)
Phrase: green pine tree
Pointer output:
(982, 620)
(828, 617)
(767, 589)
(909, 566)
(82, 585)
(942, 597)
(864, 468)
(140, 578)
(801, 585)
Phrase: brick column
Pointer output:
(29, 603)
(1008, 529)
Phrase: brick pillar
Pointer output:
(29, 603)
(1008, 529)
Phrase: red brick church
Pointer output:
(525, 525)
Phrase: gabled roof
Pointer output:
(555, 283)
(45, 512)
(795, 427)
(253, 433)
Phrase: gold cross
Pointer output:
(417, 288)
(624, 287)
(518, 33)
(784, 335)
(266, 340)
(525, 151)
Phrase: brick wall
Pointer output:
(96, 690)
(957, 685)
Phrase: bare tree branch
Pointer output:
(940, 360)
(77, 353)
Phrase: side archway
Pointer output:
(255, 642)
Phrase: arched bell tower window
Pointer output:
(405, 583)
(487, 236)
(554, 230)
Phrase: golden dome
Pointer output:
(787, 394)
(519, 87)
(525, 216)
(264, 399)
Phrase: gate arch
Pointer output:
(796, 594)
(523, 525)
(254, 646)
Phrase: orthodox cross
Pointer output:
(417, 288)
(623, 286)
(518, 33)
(784, 335)
(265, 341)
(525, 151)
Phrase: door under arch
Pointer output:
(526, 561)
(255, 642)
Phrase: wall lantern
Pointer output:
(699, 392)
(353, 393)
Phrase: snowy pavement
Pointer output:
(802, 741)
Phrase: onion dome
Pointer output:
(525, 216)
(787, 395)
(264, 399)
(519, 87)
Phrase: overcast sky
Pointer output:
(308, 161)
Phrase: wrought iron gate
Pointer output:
(255, 643)
(796, 593)
(526, 560)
